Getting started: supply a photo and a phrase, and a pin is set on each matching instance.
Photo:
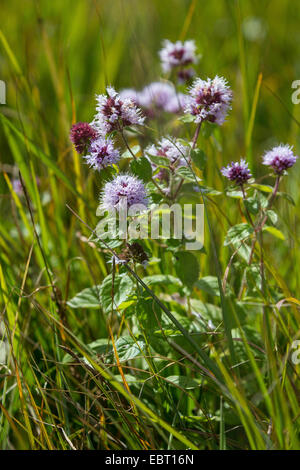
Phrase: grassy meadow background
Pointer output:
(54, 56)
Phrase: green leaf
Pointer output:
(165, 279)
(184, 382)
(148, 313)
(142, 168)
(237, 233)
(253, 205)
(209, 284)
(187, 267)
(199, 158)
(274, 231)
(262, 187)
(88, 298)
(123, 287)
(135, 150)
(185, 173)
(159, 160)
(209, 191)
(101, 346)
(272, 217)
(207, 311)
(128, 348)
(235, 193)
(187, 118)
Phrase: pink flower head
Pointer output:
(81, 134)
(237, 172)
(113, 113)
(171, 149)
(209, 100)
(177, 54)
(102, 154)
(123, 188)
(280, 158)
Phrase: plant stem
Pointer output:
(125, 142)
(246, 209)
(194, 143)
(271, 200)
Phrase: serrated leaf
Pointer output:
(263, 187)
(272, 217)
(238, 233)
(148, 313)
(253, 205)
(135, 150)
(235, 193)
(185, 173)
(165, 279)
(187, 118)
(128, 348)
(159, 160)
(187, 267)
(141, 167)
(123, 286)
(209, 284)
(87, 298)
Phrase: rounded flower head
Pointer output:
(280, 158)
(209, 100)
(81, 134)
(237, 172)
(102, 154)
(123, 189)
(156, 95)
(130, 93)
(177, 54)
(114, 113)
(177, 103)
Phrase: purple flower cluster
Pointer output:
(123, 189)
(209, 100)
(171, 149)
(81, 134)
(280, 158)
(113, 113)
(102, 154)
(237, 172)
(156, 96)
(178, 56)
